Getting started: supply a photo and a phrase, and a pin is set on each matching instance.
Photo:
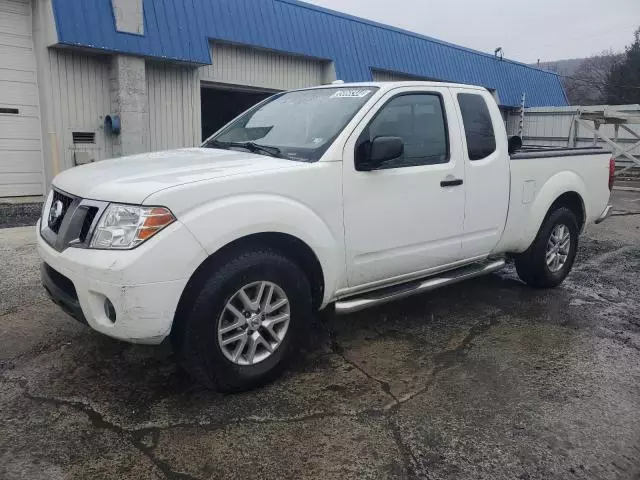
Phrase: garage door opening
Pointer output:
(221, 105)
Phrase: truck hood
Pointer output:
(132, 179)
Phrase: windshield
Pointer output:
(299, 125)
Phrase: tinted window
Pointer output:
(481, 141)
(419, 120)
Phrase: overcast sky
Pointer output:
(527, 30)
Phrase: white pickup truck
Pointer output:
(341, 196)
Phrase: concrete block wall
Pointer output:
(129, 100)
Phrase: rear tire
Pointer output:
(550, 258)
(246, 322)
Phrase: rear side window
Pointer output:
(481, 140)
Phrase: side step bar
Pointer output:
(371, 299)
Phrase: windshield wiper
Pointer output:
(251, 146)
(269, 150)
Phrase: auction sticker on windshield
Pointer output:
(348, 93)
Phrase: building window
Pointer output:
(478, 126)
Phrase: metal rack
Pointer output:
(592, 120)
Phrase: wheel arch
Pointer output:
(571, 200)
(574, 202)
(288, 245)
(563, 189)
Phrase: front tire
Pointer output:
(550, 258)
(247, 321)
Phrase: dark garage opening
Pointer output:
(220, 106)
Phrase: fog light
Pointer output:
(110, 310)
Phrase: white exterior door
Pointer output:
(20, 141)
(401, 220)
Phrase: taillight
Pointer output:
(612, 172)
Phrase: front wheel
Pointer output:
(550, 258)
(246, 322)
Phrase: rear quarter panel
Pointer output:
(536, 183)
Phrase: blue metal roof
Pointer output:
(181, 29)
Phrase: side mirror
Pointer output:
(515, 144)
(381, 149)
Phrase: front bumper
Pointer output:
(62, 292)
(605, 214)
(144, 285)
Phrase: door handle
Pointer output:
(454, 182)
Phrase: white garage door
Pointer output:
(20, 144)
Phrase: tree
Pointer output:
(623, 81)
(588, 83)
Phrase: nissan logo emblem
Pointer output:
(56, 212)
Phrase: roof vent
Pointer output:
(337, 82)
(84, 138)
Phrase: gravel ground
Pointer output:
(486, 379)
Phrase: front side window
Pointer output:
(478, 127)
(299, 125)
(419, 120)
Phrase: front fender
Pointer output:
(223, 221)
(557, 185)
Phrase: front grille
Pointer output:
(62, 282)
(69, 220)
(59, 207)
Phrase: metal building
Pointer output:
(171, 72)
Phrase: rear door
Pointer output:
(406, 217)
(487, 176)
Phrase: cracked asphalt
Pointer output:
(485, 379)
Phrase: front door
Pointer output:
(406, 217)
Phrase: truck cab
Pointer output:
(443, 202)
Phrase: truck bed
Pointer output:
(540, 175)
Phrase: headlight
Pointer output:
(44, 215)
(123, 227)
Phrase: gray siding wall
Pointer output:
(79, 99)
(386, 76)
(174, 106)
(240, 65)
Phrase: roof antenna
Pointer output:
(499, 53)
